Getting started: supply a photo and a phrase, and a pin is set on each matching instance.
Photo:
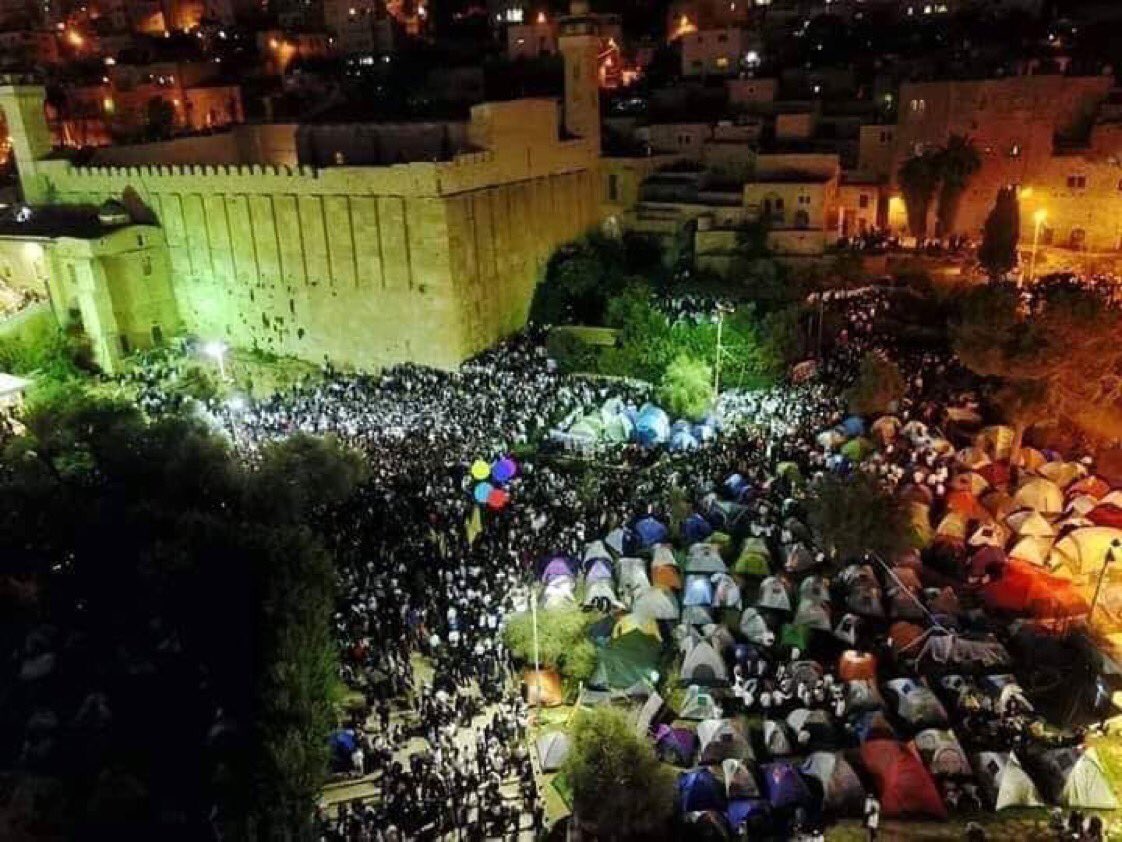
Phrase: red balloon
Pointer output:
(497, 499)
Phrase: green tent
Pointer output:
(626, 660)
(795, 636)
(790, 472)
(754, 559)
(857, 449)
(618, 429)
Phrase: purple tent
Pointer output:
(785, 787)
(676, 745)
(600, 570)
(699, 789)
(557, 567)
(745, 809)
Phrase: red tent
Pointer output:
(1026, 589)
(984, 559)
(1106, 514)
(902, 784)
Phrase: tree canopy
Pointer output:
(1002, 230)
(185, 598)
(617, 782)
(854, 515)
(686, 390)
(1055, 351)
(879, 386)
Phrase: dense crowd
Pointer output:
(422, 597)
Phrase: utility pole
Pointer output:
(721, 310)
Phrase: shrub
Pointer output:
(686, 390)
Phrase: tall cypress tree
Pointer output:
(998, 252)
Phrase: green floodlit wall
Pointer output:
(365, 266)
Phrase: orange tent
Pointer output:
(666, 577)
(854, 666)
(1026, 589)
(967, 505)
(903, 634)
(549, 682)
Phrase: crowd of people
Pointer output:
(422, 596)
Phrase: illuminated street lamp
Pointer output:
(1038, 220)
(722, 309)
(217, 351)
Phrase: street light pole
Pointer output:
(721, 310)
(1114, 545)
(1038, 220)
(537, 652)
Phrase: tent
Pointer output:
(552, 749)
(784, 787)
(1085, 550)
(703, 665)
(699, 591)
(695, 529)
(1004, 781)
(557, 567)
(598, 570)
(626, 660)
(545, 684)
(618, 540)
(740, 781)
(682, 441)
(666, 576)
(873, 725)
(746, 811)
(794, 636)
(815, 724)
(652, 426)
(799, 559)
(618, 428)
(848, 628)
(773, 594)
(705, 558)
(754, 558)
(699, 789)
(754, 627)
(864, 600)
(857, 449)
(677, 746)
(854, 666)
(777, 740)
(842, 793)
(601, 590)
(726, 593)
(1040, 494)
(853, 426)
(722, 739)
(656, 604)
(632, 576)
(1026, 589)
(1075, 779)
(663, 556)
(629, 623)
(813, 615)
(862, 695)
(902, 784)
(698, 704)
(941, 753)
(650, 531)
(1030, 523)
(1062, 474)
(916, 704)
(814, 589)
(706, 826)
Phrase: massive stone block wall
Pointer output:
(365, 266)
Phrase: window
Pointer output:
(146, 265)
(885, 137)
(722, 62)
(125, 346)
(613, 188)
(802, 219)
(157, 335)
(1077, 182)
(863, 201)
(72, 274)
(918, 106)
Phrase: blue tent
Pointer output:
(785, 787)
(696, 529)
(343, 743)
(651, 531)
(652, 426)
(683, 440)
(736, 486)
(853, 426)
(699, 789)
(745, 809)
(699, 591)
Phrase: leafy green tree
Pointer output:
(957, 162)
(561, 631)
(191, 583)
(919, 177)
(850, 516)
(619, 787)
(686, 390)
(581, 279)
(1000, 234)
(879, 386)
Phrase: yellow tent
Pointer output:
(630, 622)
(997, 440)
(1084, 550)
(1040, 494)
(1062, 473)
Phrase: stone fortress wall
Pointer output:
(430, 261)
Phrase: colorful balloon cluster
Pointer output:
(490, 481)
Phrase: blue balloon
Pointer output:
(482, 491)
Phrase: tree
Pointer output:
(918, 177)
(1057, 356)
(850, 516)
(956, 163)
(581, 279)
(686, 390)
(185, 582)
(618, 785)
(561, 635)
(1002, 230)
(879, 386)
(161, 118)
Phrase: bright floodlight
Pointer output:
(1040, 216)
(214, 349)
